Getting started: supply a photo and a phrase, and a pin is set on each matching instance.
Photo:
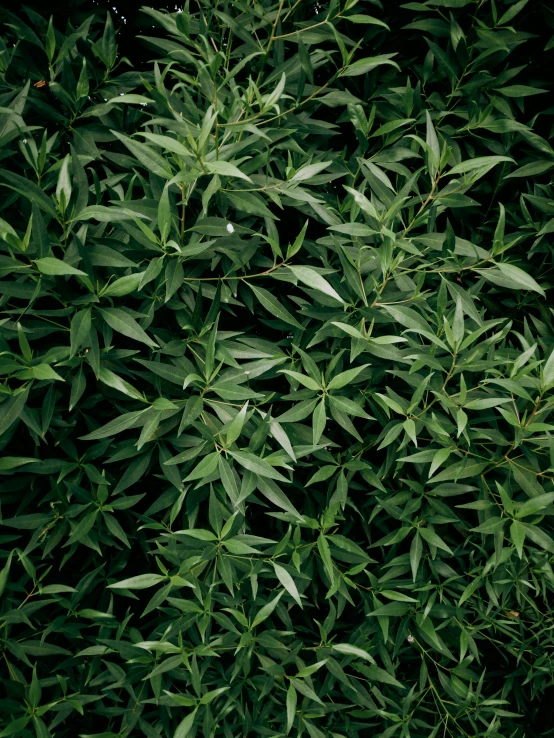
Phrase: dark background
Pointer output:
(127, 17)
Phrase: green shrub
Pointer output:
(277, 375)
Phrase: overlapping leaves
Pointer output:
(277, 375)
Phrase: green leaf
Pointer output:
(477, 163)
(366, 20)
(309, 170)
(4, 573)
(416, 551)
(392, 610)
(123, 323)
(226, 169)
(15, 727)
(130, 99)
(341, 380)
(250, 203)
(270, 490)
(185, 726)
(520, 90)
(535, 505)
(45, 372)
(287, 582)
(7, 463)
(118, 425)
(142, 581)
(115, 381)
(55, 267)
(517, 534)
(491, 525)
(431, 537)
(257, 465)
(266, 610)
(81, 324)
(349, 407)
(511, 276)
(124, 285)
(149, 159)
(538, 536)
(363, 66)
(548, 372)
(234, 430)
(498, 240)
(319, 421)
(211, 695)
(375, 674)
(205, 468)
(314, 280)
(291, 702)
(107, 215)
(273, 306)
(511, 13)
(164, 217)
(349, 650)
(11, 409)
(302, 378)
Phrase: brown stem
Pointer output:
(424, 205)
(309, 28)
(246, 276)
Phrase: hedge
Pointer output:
(277, 373)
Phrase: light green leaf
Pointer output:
(291, 702)
(363, 66)
(257, 465)
(107, 215)
(476, 163)
(349, 650)
(266, 610)
(205, 468)
(142, 581)
(548, 372)
(130, 99)
(185, 726)
(524, 279)
(319, 421)
(225, 168)
(302, 378)
(366, 20)
(55, 267)
(124, 285)
(149, 159)
(45, 372)
(341, 380)
(234, 430)
(315, 281)
(287, 582)
(309, 170)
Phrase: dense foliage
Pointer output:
(277, 374)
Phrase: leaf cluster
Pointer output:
(277, 374)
